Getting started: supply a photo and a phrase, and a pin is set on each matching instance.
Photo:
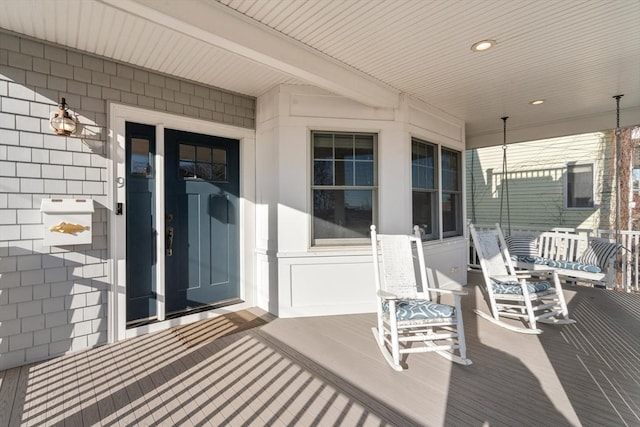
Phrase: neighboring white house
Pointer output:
(281, 190)
(558, 182)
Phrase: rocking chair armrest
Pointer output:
(543, 271)
(506, 278)
(386, 295)
(527, 274)
(447, 291)
(523, 274)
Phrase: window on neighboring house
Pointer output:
(428, 167)
(344, 186)
(579, 189)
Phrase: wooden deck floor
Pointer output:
(245, 370)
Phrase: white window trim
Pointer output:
(459, 219)
(441, 237)
(119, 114)
(343, 242)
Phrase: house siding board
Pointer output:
(536, 182)
(54, 299)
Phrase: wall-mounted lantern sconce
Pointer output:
(61, 122)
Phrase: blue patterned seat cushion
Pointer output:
(530, 259)
(514, 288)
(574, 266)
(416, 309)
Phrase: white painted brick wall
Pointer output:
(53, 300)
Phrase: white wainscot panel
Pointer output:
(317, 287)
(447, 264)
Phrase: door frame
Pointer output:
(119, 114)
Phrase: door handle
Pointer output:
(169, 249)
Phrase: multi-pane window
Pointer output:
(451, 193)
(429, 167)
(425, 188)
(206, 163)
(343, 185)
(580, 186)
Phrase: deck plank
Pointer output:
(251, 370)
(8, 386)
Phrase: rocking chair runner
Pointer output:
(514, 294)
(407, 316)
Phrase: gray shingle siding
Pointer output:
(53, 299)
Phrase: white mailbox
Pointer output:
(67, 221)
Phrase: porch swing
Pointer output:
(529, 296)
(504, 187)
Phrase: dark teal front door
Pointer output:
(201, 221)
(201, 213)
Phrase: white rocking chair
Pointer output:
(406, 315)
(514, 294)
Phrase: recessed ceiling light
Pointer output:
(483, 45)
(537, 102)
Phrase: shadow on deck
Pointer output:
(252, 369)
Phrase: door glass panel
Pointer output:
(219, 156)
(204, 155)
(219, 173)
(140, 157)
(187, 152)
(205, 163)
(219, 164)
(187, 167)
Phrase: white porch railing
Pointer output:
(627, 265)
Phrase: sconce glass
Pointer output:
(61, 122)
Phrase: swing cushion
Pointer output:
(599, 252)
(538, 260)
(568, 265)
(514, 288)
(522, 245)
(417, 309)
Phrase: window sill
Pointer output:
(443, 242)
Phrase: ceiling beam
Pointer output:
(226, 29)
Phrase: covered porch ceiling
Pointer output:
(576, 55)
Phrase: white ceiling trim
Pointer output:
(573, 126)
(216, 24)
